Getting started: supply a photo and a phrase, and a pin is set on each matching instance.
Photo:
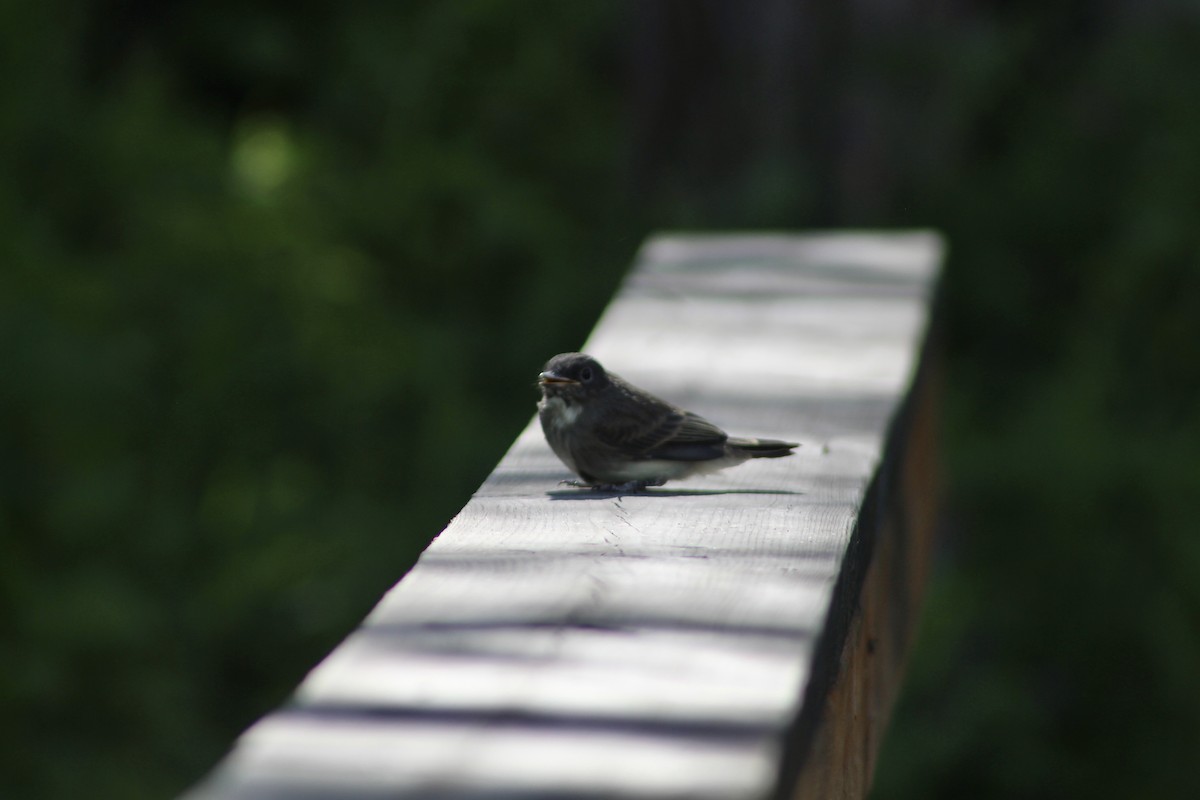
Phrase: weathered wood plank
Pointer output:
(557, 643)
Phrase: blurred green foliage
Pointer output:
(276, 283)
(1061, 646)
(275, 279)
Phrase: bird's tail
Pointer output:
(761, 448)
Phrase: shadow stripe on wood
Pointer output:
(700, 640)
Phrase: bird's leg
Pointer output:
(628, 486)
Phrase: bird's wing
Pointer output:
(694, 439)
(652, 428)
(695, 428)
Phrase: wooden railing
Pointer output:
(734, 636)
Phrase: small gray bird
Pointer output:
(616, 436)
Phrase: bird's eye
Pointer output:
(585, 374)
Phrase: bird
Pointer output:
(617, 437)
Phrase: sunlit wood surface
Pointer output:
(558, 643)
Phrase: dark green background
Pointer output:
(275, 280)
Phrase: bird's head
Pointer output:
(572, 376)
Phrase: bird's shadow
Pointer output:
(600, 494)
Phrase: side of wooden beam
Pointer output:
(834, 746)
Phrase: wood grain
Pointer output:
(554, 642)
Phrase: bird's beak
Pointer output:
(551, 378)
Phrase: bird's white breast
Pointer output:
(559, 413)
